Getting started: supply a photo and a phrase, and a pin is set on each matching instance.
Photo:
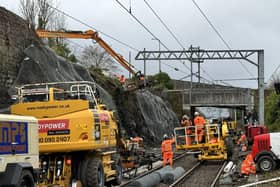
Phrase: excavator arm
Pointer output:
(90, 34)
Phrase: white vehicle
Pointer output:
(19, 155)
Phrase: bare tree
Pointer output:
(29, 10)
(38, 13)
(96, 57)
(45, 13)
(57, 22)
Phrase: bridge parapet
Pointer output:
(227, 97)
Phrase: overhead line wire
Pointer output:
(150, 32)
(218, 33)
(174, 36)
(141, 24)
(84, 23)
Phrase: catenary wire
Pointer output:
(84, 23)
(164, 24)
(138, 21)
(173, 35)
(218, 33)
(153, 35)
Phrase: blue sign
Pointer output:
(13, 137)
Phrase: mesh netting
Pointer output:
(41, 65)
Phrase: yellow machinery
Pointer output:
(215, 144)
(77, 135)
(232, 128)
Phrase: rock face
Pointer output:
(145, 114)
(15, 36)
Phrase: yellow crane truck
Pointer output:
(19, 155)
(77, 134)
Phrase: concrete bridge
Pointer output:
(206, 95)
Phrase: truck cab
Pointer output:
(19, 154)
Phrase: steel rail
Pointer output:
(152, 170)
(175, 183)
(186, 174)
(218, 175)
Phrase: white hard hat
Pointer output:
(185, 117)
(165, 136)
(196, 113)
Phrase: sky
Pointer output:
(244, 24)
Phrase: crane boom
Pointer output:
(90, 34)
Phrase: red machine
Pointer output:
(254, 130)
(266, 151)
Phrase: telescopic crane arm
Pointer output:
(90, 34)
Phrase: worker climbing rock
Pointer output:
(243, 142)
(187, 123)
(248, 166)
(199, 123)
(166, 149)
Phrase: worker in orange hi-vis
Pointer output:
(166, 149)
(199, 123)
(243, 142)
(137, 140)
(248, 165)
(121, 78)
(186, 122)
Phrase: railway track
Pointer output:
(201, 174)
(177, 158)
(198, 174)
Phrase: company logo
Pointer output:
(53, 125)
(13, 137)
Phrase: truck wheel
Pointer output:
(26, 179)
(266, 163)
(118, 179)
(95, 173)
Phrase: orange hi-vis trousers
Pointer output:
(167, 157)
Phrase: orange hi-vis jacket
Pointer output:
(137, 139)
(166, 145)
(248, 166)
(199, 121)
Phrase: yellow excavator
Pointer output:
(138, 81)
(77, 135)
